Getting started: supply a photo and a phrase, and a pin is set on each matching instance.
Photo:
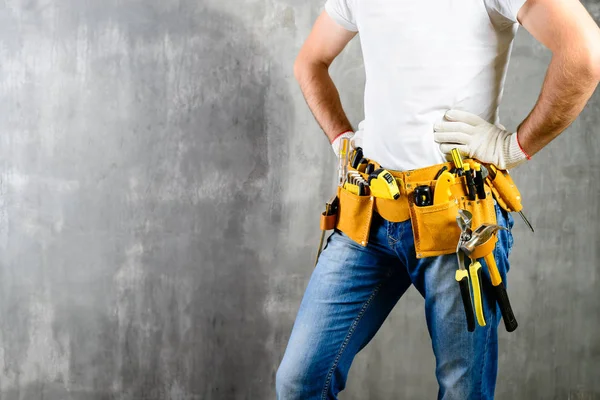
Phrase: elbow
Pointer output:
(304, 67)
(595, 64)
(591, 61)
(583, 61)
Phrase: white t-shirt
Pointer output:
(423, 58)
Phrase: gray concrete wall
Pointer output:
(160, 183)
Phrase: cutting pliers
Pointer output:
(464, 220)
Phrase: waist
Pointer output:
(397, 210)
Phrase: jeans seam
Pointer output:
(347, 339)
(485, 352)
(391, 241)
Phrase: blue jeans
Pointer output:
(353, 289)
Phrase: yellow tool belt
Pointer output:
(434, 227)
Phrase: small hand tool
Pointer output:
(462, 276)
(479, 181)
(363, 188)
(437, 176)
(442, 192)
(464, 220)
(475, 273)
(362, 165)
(461, 170)
(472, 191)
(383, 184)
(481, 245)
(331, 208)
(357, 156)
(344, 153)
(356, 184)
(423, 196)
(458, 162)
(508, 194)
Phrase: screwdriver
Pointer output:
(479, 181)
(458, 162)
(461, 169)
(508, 194)
(470, 183)
(343, 160)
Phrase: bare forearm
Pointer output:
(322, 98)
(567, 88)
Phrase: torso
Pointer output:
(417, 68)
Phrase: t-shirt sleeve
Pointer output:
(504, 11)
(341, 12)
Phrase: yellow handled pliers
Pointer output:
(462, 276)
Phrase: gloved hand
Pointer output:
(336, 142)
(476, 138)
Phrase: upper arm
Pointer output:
(564, 26)
(325, 42)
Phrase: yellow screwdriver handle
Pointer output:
(457, 158)
(475, 272)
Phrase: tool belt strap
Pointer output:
(399, 210)
(434, 227)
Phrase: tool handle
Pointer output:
(479, 185)
(471, 189)
(510, 322)
(493, 269)
(442, 192)
(475, 272)
(507, 190)
(462, 277)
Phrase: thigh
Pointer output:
(350, 293)
(466, 362)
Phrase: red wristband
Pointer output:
(521, 147)
(340, 135)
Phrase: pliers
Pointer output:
(464, 220)
(481, 245)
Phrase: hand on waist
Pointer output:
(476, 138)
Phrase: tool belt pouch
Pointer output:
(354, 216)
(435, 229)
(328, 222)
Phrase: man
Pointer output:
(435, 74)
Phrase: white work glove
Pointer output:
(336, 142)
(476, 138)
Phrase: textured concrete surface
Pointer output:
(154, 243)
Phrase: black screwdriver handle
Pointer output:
(462, 277)
(479, 185)
(510, 322)
(471, 189)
